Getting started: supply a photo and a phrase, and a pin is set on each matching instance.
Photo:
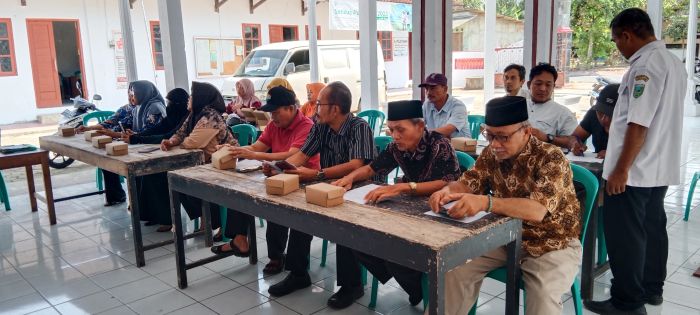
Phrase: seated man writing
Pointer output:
(596, 123)
(428, 162)
(518, 176)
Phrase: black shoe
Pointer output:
(150, 223)
(290, 284)
(654, 299)
(415, 299)
(607, 308)
(115, 202)
(274, 267)
(345, 297)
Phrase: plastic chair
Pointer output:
(465, 162)
(100, 116)
(693, 182)
(475, 122)
(375, 118)
(590, 183)
(4, 196)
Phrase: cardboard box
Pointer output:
(222, 160)
(101, 141)
(325, 195)
(66, 131)
(464, 144)
(90, 134)
(262, 119)
(282, 184)
(248, 113)
(117, 148)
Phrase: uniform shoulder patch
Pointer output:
(638, 90)
(641, 77)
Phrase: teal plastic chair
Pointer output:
(590, 183)
(475, 122)
(693, 182)
(4, 196)
(100, 116)
(465, 162)
(375, 118)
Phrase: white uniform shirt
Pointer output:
(652, 94)
(551, 118)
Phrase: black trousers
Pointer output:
(347, 266)
(409, 279)
(113, 188)
(276, 235)
(154, 198)
(193, 207)
(635, 233)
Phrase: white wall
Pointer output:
(397, 69)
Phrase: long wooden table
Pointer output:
(27, 160)
(396, 230)
(131, 166)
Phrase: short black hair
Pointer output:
(340, 95)
(541, 68)
(633, 20)
(521, 70)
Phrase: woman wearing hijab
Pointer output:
(176, 113)
(246, 98)
(204, 128)
(312, 92)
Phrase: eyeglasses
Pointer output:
(318, 103)
(500, 138)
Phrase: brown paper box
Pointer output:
(117, 148)
(66, 131)
(100, 141)
(90, 134)
(325, 195)
(248, 113)
(282, 184)
(464, 144)
(223, 160)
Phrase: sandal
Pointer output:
(274, 267)
(235, 251)
(164, 228)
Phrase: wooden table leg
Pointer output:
(206, 223)
(179, 239)
(48, 189)
(136, 221)
(513, 277)
(32, 189)
(252, 241)
(436, 298)
(588, 263)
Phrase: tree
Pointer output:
(510, 8)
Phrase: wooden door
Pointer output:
(42, 52)
(276, 34)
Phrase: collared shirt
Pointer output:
(353, 140)
(282, 139)
(591, 124)
(433, 159)
(652, 94)
(551, 118)
(454, 113)
(541, 173)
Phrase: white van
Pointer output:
(338, 60)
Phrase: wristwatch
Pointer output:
(413, 187)
(321, 175)
(550, 138)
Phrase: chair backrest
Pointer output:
(381, 142)
(475, 122)
(246, 134)
(375, 119)
(590, 183)
(465, 161)
(101, 116)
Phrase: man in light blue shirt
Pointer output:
(442, 112)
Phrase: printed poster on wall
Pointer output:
(119, 60)
(345, 15)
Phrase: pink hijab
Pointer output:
(247, 96)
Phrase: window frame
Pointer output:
(245, 39)
(390, 40)
(318, 32)
(155, 53)
(12, 55)
(282, 27)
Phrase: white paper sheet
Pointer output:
(357, 195)
(588, 157)
(465, 220)
(246, 165)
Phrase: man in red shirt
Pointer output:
(284, 137)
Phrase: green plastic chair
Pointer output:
(4, 196)
(375, 118)
(693, 182)
(100, 116)
(475, 122)
(590, 183)
(465, 162)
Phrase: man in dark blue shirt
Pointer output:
(596, 123)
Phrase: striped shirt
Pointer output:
(353, 141)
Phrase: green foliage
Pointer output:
(511, 8)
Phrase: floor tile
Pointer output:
(46, 311)
(355, 309)
(139, 289)
(244, 298)
(121, 310)
(685, 277)
(26, 304)
(15, 290)
(196, 308)
(682, 295)
(117, 277)
(90, 304)
(170, 276)
(68, 291)
(162, 303)
(269, 308)
(209, 286)
(306, 301)
(100, 265)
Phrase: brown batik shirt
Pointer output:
(542, 173)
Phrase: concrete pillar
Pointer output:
(128, 38)
(432, 41)
(655, 9)
(173, 41)
(489, 50)
(313, 45)
(368, 54)
(691, 106)
(538, 32)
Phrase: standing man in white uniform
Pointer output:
(551, 122)
(643, 158)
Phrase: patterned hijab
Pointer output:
(204, 95)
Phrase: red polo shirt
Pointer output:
(294, 136)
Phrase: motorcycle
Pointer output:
(600, 84)
(73, 118)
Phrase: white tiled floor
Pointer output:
(85, 264)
